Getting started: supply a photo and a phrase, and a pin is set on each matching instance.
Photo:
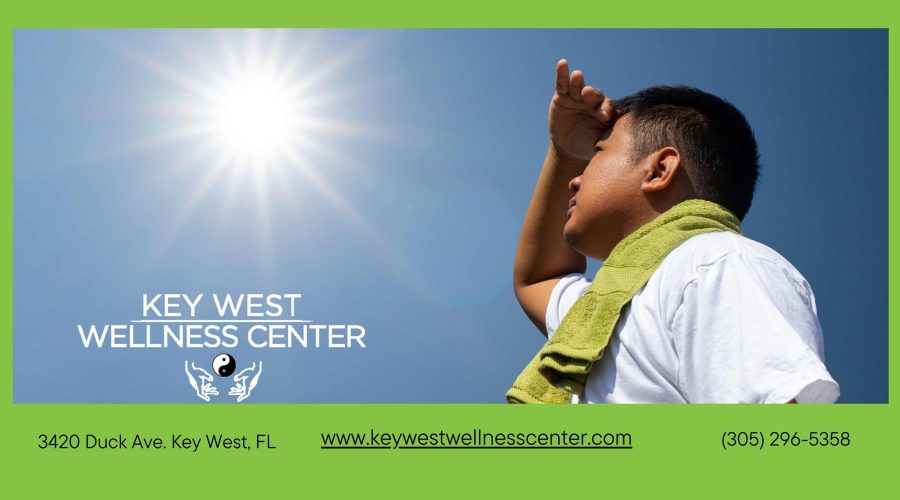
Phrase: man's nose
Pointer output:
(575, 184)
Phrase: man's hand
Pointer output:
(578, 114)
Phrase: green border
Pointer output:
(676, 451)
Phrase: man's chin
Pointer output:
(571, 235)
(576, 240)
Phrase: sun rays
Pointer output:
(253, 111)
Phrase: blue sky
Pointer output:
(419, 153)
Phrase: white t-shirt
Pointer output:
(724, 319)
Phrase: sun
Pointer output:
(253, 117)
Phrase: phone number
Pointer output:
(756, 439)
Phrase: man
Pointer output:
(689, 311)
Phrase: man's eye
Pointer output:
(597, 148)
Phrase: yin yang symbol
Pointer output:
(224, 364)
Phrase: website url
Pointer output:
(476, 439)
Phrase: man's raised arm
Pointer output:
(577, 118)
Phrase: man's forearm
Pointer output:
(543, 252)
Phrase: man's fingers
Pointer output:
(607, 110)
(576, 84)
(592, 96)
(562, 77)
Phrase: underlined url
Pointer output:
(476, 439)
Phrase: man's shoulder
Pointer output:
(706, 251)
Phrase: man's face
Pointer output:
(604, 194)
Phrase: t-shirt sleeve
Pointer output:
(746, 331)
(562, 298)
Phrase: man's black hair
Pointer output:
(716, 142)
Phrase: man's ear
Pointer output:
(661, 169)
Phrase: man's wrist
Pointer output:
(563, 158)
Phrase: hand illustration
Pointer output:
(241, 388)
(205, 388)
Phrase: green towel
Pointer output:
(561, 367)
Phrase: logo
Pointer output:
(228, 323)
(223, 365)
